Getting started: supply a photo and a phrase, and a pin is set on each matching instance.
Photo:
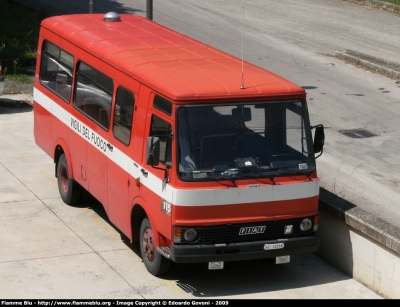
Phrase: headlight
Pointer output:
(183, 234)
(190, 234)
(305, 225)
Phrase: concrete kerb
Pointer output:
(375, 228)
(359, 244)
(378, 234)
(16, 100)
(386, 68)
(371, 226)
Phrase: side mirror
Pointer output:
(319, 139)
(153, 151)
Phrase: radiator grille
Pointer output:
(230, 233)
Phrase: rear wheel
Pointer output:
(70, 190)
(155, 263)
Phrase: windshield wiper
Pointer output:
(239, 174)
(291, 171)
(231, 174)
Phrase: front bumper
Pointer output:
(242, 251)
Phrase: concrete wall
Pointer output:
(361, 246)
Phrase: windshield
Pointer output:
(244, 140)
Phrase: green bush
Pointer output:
(19, 31)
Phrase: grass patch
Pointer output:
(392, 1)
(18, 38)
(23, 76)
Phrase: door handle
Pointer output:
(144, 172)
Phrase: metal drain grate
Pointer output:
(357, 133)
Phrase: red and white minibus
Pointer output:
(188, 158)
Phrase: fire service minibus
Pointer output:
(193, 153)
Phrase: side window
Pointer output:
(163, 105)
(56, 70)
(163, 129)
(123, 115)
(295, 129)
(93, 94)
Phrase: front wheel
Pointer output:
(154, 262)
(70, 190)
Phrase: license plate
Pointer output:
(282, 259)
(273, 246)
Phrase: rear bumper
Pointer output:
(243, 251)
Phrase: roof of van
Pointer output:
(171, 63)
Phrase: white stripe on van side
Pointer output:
(245, 195)
(179, 197)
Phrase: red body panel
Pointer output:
(165, 60)
(252, 212)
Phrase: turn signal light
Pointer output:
(316, 221)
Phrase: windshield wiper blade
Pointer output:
(239, 174)
(290, 171)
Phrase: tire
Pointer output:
(70, 190)
(154, 262)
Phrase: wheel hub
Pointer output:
(148, 244)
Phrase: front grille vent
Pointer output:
(230, 233)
